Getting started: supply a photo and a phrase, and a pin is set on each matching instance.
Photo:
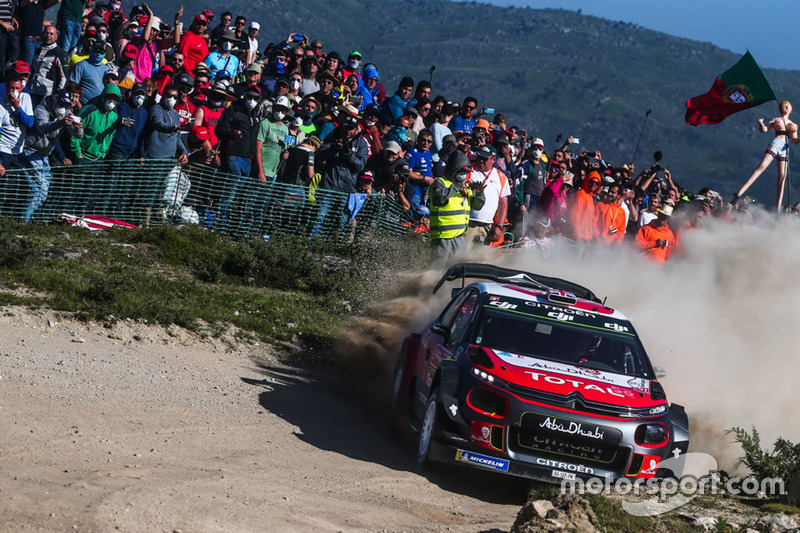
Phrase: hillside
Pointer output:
(550, 71)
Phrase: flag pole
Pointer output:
(646, 114)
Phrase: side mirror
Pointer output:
(441, 330)
(660, 372)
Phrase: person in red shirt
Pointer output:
(193, 45)
(581, 212)
(611, 217)
(656, 239)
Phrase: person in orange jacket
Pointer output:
(581, 212)
(656, 239)
(611, 217)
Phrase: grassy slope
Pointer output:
(549, 70)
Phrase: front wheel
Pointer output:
(429, 430)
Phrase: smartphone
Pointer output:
(299, 37)
(489, 110)
(575, 140)
(76, 118)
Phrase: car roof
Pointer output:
(552, 296)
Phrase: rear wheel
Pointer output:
(429, 430)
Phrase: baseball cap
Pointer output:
(486, 151)
(281, 101)
(254, 89)
(138, 88)
(537, 142)
(372, 110)
(355, 53)
(62, 96)
(483, 123)
(367, 175)
(184, 78)
(410, 111)
(200, 133)
(348, 122)
(130, 51)
(201, 18)
(503, 138)
(207, 13)
(253, 67)
(255, 25)
(393, 147)
(21, 67)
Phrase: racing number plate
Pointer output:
(563, 475)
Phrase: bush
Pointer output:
(783, 462)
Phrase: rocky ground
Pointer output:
(130, 427)
(138, 428)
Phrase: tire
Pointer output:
(396, 401)
(429, 430)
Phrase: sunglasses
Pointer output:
(426, 141)
(470, 107)
(240, 23)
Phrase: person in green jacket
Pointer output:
(99, 126)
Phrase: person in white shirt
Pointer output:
(488, 225)
(252, 34)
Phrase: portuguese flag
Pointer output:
(740, 87)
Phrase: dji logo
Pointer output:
(558, 315)
(616, 327)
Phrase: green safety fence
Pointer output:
(154, 192)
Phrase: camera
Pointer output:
(355, 100)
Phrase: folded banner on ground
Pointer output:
(740, 87)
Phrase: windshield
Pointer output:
(600, 348)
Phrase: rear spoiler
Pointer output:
(517, 277)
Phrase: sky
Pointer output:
(735, 25)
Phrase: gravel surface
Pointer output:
(141, 428)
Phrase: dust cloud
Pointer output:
(719, 318)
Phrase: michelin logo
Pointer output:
(484, 461)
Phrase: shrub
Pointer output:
(783, 462)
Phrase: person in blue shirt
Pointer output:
(89, 73)
(222, 59)
(465, 121)
(421, 168)
(399, 100)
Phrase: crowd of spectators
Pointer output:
(100, 84)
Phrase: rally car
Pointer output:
(534, 376)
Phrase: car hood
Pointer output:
(564, 379)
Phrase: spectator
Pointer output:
(149, 45)
(223, 26)
(611, 217)
(17, 118)
(208, 112)
(423, 107)
(530, 177)
(222, 59)
(487, 225)
(238, 129)
(308, 69)
(656, 239)
(373, 84)
(325, 95)
(240, 42)
(193, 46)
(465, 121)
(252, 76)
(440, 130)
(89, 73)
(270, 142)
(299, 167)
(650, 214)
(342, 158)
(353, 67)
(397, 103)
(99, 126)
(162, 139)
(252, 41)
(127, 141)
(419, 161)
(423, 90)
(185, 106)
(553, 204)
(451, 201)
(51, 116)
(69, 25)
(31, 19)
(581, 213)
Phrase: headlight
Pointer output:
(484, 375)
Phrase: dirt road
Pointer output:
(135, 428)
